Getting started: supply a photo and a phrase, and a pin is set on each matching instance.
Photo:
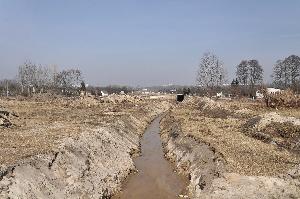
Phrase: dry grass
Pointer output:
(258, 107)
(43, 123)
(243, 154)
(285, 98)
(285, 135)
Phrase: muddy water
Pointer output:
(155, 177)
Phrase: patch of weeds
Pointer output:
(287, 134)
(219, 112)
(214, 112)
(261, 136)
(248, 127)
(283, 130)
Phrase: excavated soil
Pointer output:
(72, 148)
(206, 140)
(84, 148)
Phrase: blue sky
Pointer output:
(146, 42)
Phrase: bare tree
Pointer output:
(286, 73)
(36, 77)
(210, 72)
(8, 87)
(44, 77)
(280, 75)
(249, 73)
(69, 80)
(255, 72)
(27, 75)
(292, 63)
(242, 72)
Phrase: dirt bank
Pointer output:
(88, 152)
(222, 161)
(155, 177)
(192, 157)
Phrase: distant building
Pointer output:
(273, 90)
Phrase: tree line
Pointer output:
(211, 74)
(32, 78)
(286, 73)
(211, 78)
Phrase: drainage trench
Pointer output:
(156, 177)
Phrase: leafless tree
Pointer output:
(34, 76)
(286, 73)
(250, 74)
(292, 63)
(211, 73)
(68, 80)
(27, 75)
(255, 72)
(242, 72)
(280, 75)
(8, 87)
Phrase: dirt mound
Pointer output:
(93, 165)
(285, 135)
(224, 163)
(192, 157)
(71, 147)
(233, 185)
(275, 117)
(272, 128)
(214, 109)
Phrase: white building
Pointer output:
(273, 90)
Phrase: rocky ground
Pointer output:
(230, 149)
(70, 148)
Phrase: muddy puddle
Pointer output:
(155, 177)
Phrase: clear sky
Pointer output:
(145, 42)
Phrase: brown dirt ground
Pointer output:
(44, 122)
(223, 131)
(257, 107)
